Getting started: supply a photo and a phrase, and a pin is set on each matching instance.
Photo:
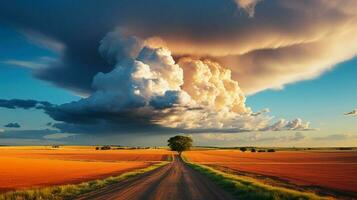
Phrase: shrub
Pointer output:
(243, 149)
(253, 150)
(106, 147)
(271, 150)
(261, 150)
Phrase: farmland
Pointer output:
(325, 170)
(27, 167)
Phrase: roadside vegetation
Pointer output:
(245, 188)
(71, 191)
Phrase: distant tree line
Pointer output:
(253, 150)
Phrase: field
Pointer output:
(27, 167)
(326, 170)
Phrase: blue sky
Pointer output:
(322, 101)
(43, 57)
(19, 83)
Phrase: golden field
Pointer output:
(329, 169)
(27, 167)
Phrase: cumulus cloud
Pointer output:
(285, 41)
(149, 87)
(148, 90)
(352, 113)
(12, 125)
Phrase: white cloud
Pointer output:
(284, 125)
(148, 82)
(147, 85)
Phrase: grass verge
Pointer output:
(71, 191)
(245, 188)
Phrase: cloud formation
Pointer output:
(148, 88)
(334, 137)
(25, 104)
(12, 125)
(266, 110)
(352, 113)
(284, 125)
(149, 91)
(163, 65)
(248, 6)
(253, 137)
(276, 43)
(40, 63)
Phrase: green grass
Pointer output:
(71, 191)
(170, 158)
(246, 188)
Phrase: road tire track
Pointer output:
(175, 181)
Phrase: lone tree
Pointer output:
(180, 143)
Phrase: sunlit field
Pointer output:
(28, 167)
(329, 170)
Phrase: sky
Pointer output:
(227, 73)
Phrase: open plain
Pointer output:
(324, 170)
(28, 167)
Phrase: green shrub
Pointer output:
(243, 149)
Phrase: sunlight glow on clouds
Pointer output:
(148, 85)
(277, 43)
(140, 67)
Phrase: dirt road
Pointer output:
(174, 181)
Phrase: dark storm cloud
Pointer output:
(17, 103)
(12, 125)
(25, 104)
(256, 39)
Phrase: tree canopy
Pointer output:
(180, 143)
